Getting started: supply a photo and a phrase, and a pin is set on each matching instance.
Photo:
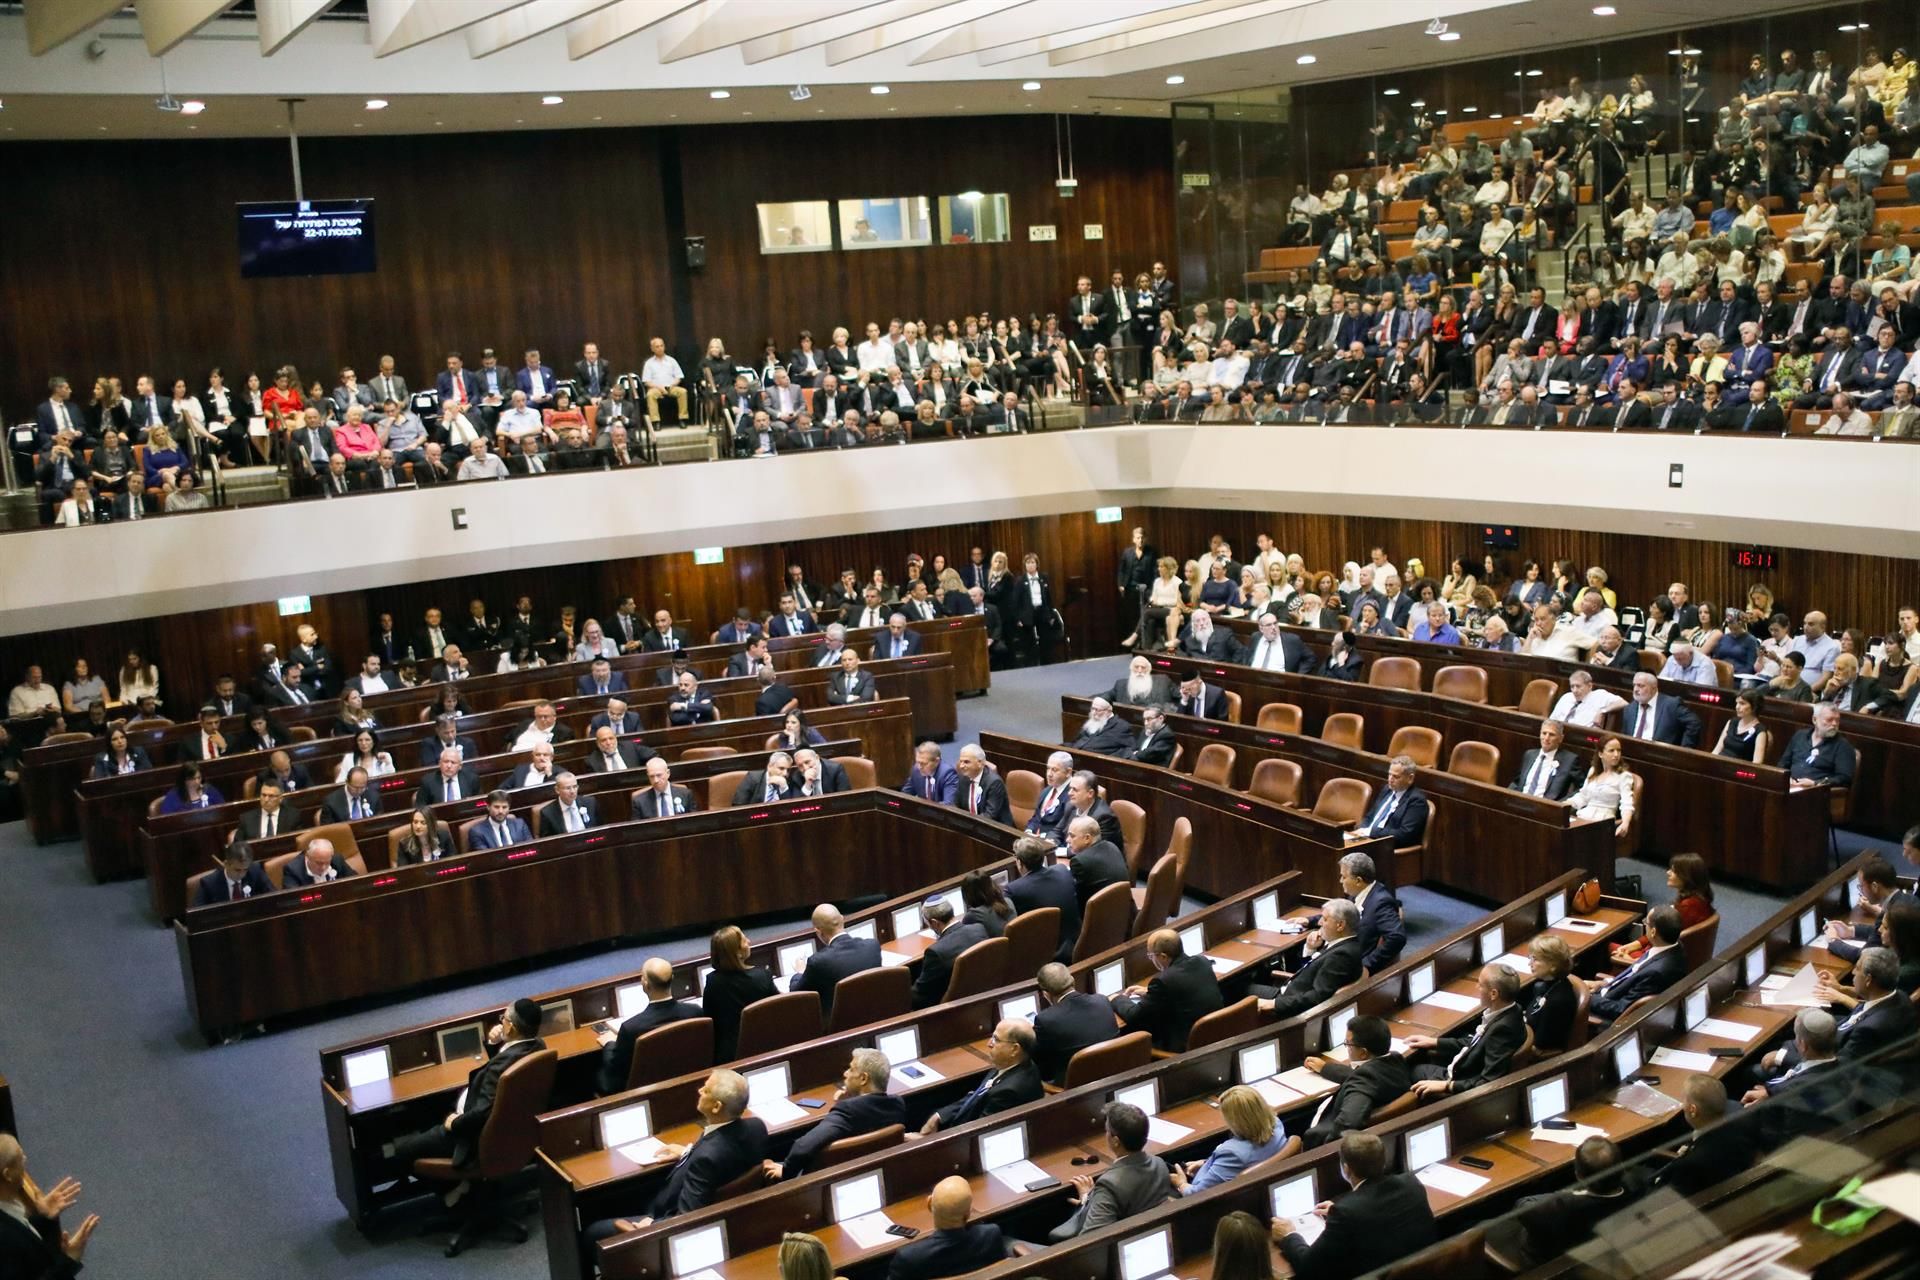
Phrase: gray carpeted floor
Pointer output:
(212, 1162)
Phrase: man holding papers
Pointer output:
(1458, 1064)
(1384, 1217)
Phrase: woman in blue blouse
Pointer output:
(1529, 588)
(1255, 1138)
(1217, 592)
(189, 792)
(161, 461)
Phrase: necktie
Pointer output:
(1537, 780)
(1386, 810)
(929, 785)
(573, 818)
(273, 825)
(1833, 373)
(499, 834)
(1644, 728)
(233, 890)
(453, 788)
(359, 807)
(973, 798)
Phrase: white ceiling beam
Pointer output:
(763, 48)
(401, 24)
(165, 23)
(1016, 49)
(281, 20)
(1064, 53)
(1030, 22)
(896, 32)
(51, 23)
(717, 24)
(608, 26)
(530, 19)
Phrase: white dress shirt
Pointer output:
(1588, 711)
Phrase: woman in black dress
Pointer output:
(1744, 737)
(425, 841)
(731, 987)
(1549, 1000)
(985, 904)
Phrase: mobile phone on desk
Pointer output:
(811, 1104)
(1727, 1051)
(905, 1233)
(1557, 1123)
(1475, 1162)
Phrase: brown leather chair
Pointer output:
(153, 805)
(707, 753)
(250, 789)
(1104, 921)
(302, 733)
(720, 788)
(1033, 938)
(671, 1049)
(1280, 717)
(1233, 705)
(1215, 764)
(1580, 1032)
(1395, 673)
(773, 742)
(981, 967)
(463, 833)
(1236, 1019)
(1477, 760)
(1179, 754)
(872, 995)
(1410, 863)
(1133, 832)
(1460, 1257)
(1343, 801)
(1651, 661)
(1180, 845)
(1723, 672)
(1528, 1053)
(1398, 1107)
(1469, 684)
(1276, 780)
(1417, 741)
(504, 1147)
(341, 834)
(1696, 941)
(860, 772)
(56, 739)
(860, 1144)
(1161, 898)
(1538, 697)
(778, 1021)
(1345, 729)
(751, 1180)
(1109, 1058)
(1024, 788)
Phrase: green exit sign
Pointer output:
(1106, 515)
(709, 555)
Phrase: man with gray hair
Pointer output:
(1456, 1064)
(980, 790)
(730, 1143)
(1814, 1052)
(1336, 964)
(1067, 1021)
(1382, 927)
(830, 649)
(1096, 862)
(1399, 812)
(1141, 685)
(860, 1105)
(1014, 1080)
(1881, 1013)
(950, 938)
(318, 865)
(569, 811)
(1051, 810)
(1104, 732)
(766, 786)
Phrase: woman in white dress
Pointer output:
(367, 754)
(1608, 790)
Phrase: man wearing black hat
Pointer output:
(516, 1035)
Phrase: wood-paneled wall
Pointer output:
(1076, 553)
(124, 260)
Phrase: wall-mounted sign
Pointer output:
(1196, 179)
(292, 606)
(1093, 231)
(1040, 233)
(709, 555)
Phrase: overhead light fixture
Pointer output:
(1849, 27)
(719, 94)
(1389, 93)
(1469, 110)
(552, 100)
(192, 107)
(1688, 52)
(1031, 86)
(376, 104)
(1440, 111)
(972, 197)
(1436, 28)
(1176, 79)
(1604, 11)
(1496, 117)
(1418, 102)
(879, 90)
(1306, 59)
(1534, 73)
(1449, 35)
(799, 93)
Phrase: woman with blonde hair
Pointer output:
(1549, 1000)
(1255, 1137)
(803, 1257)
(1166, 603)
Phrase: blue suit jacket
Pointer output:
(944, 785)
(523, 378)
(801, 624)
(1408, 822)
(616, 683)
(1653, 976)
(481, 837)
(732, 633)
(444, 384)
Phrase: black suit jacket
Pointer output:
(1062, 1030)
(1383, 929)
(1050, 886)
(290, 821)
(1011, 1088)
(1709, 1156)
(653, 642)
(32, 1251)
(936, 963)
(1219, 647)
(211, 888)
(1382, 1219)
(552, 824)
(850, 1117)
(1407, 824)
(433, 789)
(431, 747)
(1372, 1083)
(1653, 976)
(1176, 998)
(716, 1158)
(1097, 866)
(1672, 722)
(993, 797)
(1488, 1054)
(1154, 748)
(616, 1060)
(1565, 780)
(1549, 1005)
(753, 789)
(294, 874)
(1161, 690)
(648, 803)
(1294, 656)
(1114, 738)
(482, 1084)
(845, 956)
(842, 691)
(951, 1252)
(1212, 704)
(336, 808)
(1891, 1020)
(1332, 968)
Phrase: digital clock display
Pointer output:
(1755, 558)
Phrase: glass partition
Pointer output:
(974, 218)
(804, 226)
(886, 223)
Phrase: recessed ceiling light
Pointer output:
(893, 108)
(1496, 117)
(1440, 111)
(1306, 59)
(1031, 85)
(1176, 79)
(1849, 27)
(552, 100)
(1604, 11)
(356, 124)
(599, 117)
(879, 90)
(1469, 110)
(1418, 102)
(376, 104)
(1534, 72)
(192, 107)
(1449, 35)
(1389, 93)
(1688, 52)
(719, 95)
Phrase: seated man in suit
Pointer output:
(610, 755)
(1141, 685)
(979, 789)
(274, 817)
(619, 715)
(1134, 1183)
(457, 1138)
(1818, 756)
(1201, 639)
(1456, 1064)
(1541, 1227)
(1182, 992)
(1660, 966)
(661, 799)
(570, 811)
(1156, 745)
(1104, 733)
(668, 676)
(1814, 1052)
(207, 742)
(768, 785)
(691, 704)
(1549, 771)
(238, 876)
(1068, 1021)
(353, 801)
(1277, 650)
(546, 728)
(1712, 1147)
(815, 776)
(453, 780)
(602, 679)
(1879, 893)
(951, 938)
(742, 629)
(1095, 862)
(538, 771)
(730, 1143)
(850, 684)
(1372, 1076)
(1880, 1013)
(776, 697)
(319, 864)
(1656, 717)
(1046, 884)
(1083, 801)
(664, 635)
(1399, 812)
(750, 660)
(953, 1247)
(616, 1056)
(839, 955)
(791, 619)
(446, 737)
(1385, 1216)
(931, 780)
(1331, 966)
(860, 1105)
(1014, 1080)
(1198, 698)
(898, 640)
(1050, 811)
(1383, 928)
(501, 827)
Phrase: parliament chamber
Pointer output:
(1294, 669)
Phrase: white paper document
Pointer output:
(1305, 1083)
(1797, 991)
(1747, 1259)
(1309, 1226)
(1454, 1000)
(1820, 943)
(1681, 1059)
(645, 1151)
(1644, 1100)
(1165, 1132)
(1522, 965)
(892, 959)
(913, 1075)
(1455, 1182)
(1221, 964)
(1570, 1137)
(774, 1112)
(1721, 1029)
(1774, 981)
(869, 1230)
(1275, 1093)
(1899, 1192)
(1017, 1175)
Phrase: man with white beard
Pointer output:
(1104, 732)
(1140, 685)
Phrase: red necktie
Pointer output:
(233, 891)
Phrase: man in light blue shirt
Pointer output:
(1819, 649)
(1673, 218)
(1867, 161)
(1688, 664)
(406, 434)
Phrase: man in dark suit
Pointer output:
(1095, 863)
(979, 789)
(536, 380)
(601, 678)
(1813, 1052)
(1384, 1217)
(318, 864)
(453, 779)
(1660, 966)
(730, 1143)
(538, 771)
(501, 827)
(1141, 685)
(594, 375)
(457, 384)
(663, 635)
(1399, 812)
(1104, 733)
(1156, 745)
(1372, 1076)
(661, 799)
(860, 1105)
(1656, 716)
(512, 1039)
(1718, 1142)
(1182, 992)
(1833, 371)
(292, 690)
(150, 408)
(616, 1057)
(1879, 893)
(930, 779)
(569, 811)
(135, 498)
(790, 619)
(1544, 1226)
(227, 698)
(839, 955)
(1083, 801)
(353, 801)
(1818, 756)
(1277, 650)
(768, 785)
(690, 704)
(749, 660)
(274, 817)
(1050, 809)
(1198, 698)
(1046, 884)
(953, 1247)
(1455, 1064)
(1201, 639)
(446, 736)
(951, 937)
(1014, 1080)
(1067, 1022)
(1881, 1014)
(206, 743)
(238, 876)
(610, 755)
(617, 715)
(1550, 770)
(850, 684)
(898, 641)
(814, 776)
(1332, 967)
